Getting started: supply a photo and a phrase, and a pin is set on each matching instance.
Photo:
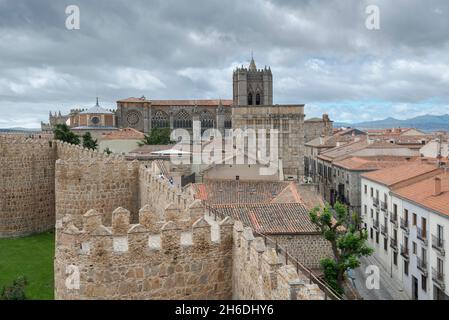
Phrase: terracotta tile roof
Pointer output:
(339, 137)
(422, 193)
(126, 133)
(371, 163)
(402, 173)
(167, 103)
(238, 192)
(271, 218)
(343, 151)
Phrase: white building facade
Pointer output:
(408, 239)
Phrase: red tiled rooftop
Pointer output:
(402, 173)
(271, 218)
(372, 163)
(237, 192)
(422, 193)
(126, 133)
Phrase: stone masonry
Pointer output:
(173, 253)
(27, 184)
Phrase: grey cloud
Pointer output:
(320, 52)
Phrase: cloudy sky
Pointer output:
(320, 52)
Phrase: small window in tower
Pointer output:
(250, 99)
(258, 99)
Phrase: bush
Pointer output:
(62, 132)
(16, 291)
(157, 136)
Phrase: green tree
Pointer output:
(89, 142)
(157, 136)
(16, 291)
(348, 242)
(107, 150)
(62, 132)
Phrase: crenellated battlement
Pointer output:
(259, 273)
(153, 259)
(87, 179)
(151, 234)
(160, 194)
(67, 151)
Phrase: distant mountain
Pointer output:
(425, 123)
(20, 130)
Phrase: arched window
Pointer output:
(207, 120)
(228, 121)
(258, 99)
(160, 120)
(250, 99)
(182, 120)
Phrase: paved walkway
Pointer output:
(389, 288)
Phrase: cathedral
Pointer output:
(251, 107)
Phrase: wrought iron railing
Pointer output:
(438, 244)
(404, 224)
(329, 292)
(422, 235)
(404, 251)
(438, 277)
(421, 263)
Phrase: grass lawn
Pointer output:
(31, 257)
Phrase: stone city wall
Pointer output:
(258, 273)
(159, 192)
(308, 249)
(27, 184)
(87, 179)
(151, 260)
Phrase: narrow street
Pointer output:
(389, 289)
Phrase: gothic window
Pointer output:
(133, 118)
(160, 120)
(207, 120)
(258, 99)
(228, 121)
(250, 99)
(182, 120)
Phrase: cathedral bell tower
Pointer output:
(252, 86)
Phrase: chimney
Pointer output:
(437, 187)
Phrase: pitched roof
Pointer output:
(124, 134)
(422, 193)
(371, 163)
(344, 150)
(238, 192)
(395, 175)
(271, 218)
(192, 103)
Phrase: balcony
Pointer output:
(376, 202)
(384, 230)
(438, 278)
(438, 244)
(422, 235)
(394, 243)
(404, 225)
(394, 219)
(422, 265)
(376, 224)
(384, 206)
(404, 251)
